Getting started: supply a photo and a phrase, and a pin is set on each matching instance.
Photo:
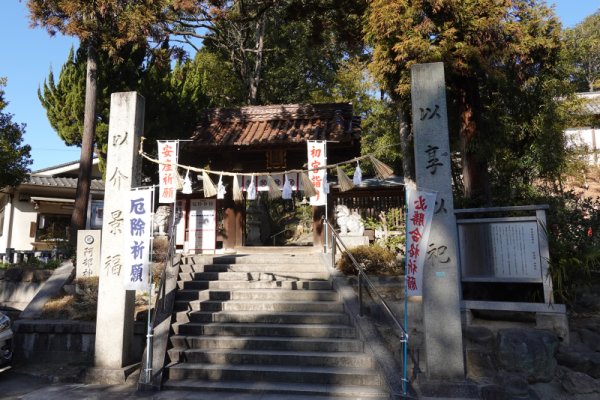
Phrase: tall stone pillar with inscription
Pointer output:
(114, 323)
(441, 280)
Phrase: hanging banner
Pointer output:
(167, 172)
(138, 229)
(317, 157)
(203, 225)
(418, 223)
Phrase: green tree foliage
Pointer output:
(583, 48)
(175, 97)
(14, 156)
(101, 25)
(504, 72)
(280, 50)
(379, 120)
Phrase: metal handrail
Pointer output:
(363, 275)
(159, 304)
(273, 236)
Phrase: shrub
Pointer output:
(377, 260)
(573, 230)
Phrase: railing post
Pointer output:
(360, 295)
(333, 250)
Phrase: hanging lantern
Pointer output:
(287, 189)
(221, 188)
(357, 178)
(187, 184)
(251, 191)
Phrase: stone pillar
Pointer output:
(441, 278)
(114, 323)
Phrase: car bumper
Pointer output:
(6, 349)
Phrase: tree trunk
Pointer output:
(474, 165)
(78, 219)
(258, 57)
(408, 162)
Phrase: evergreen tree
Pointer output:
(583, 49)
(503, 69)
(101, 25)
(14, 156)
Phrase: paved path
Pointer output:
(17, 385)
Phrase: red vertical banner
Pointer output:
(418, 224)
(167, 171)
(317, 158)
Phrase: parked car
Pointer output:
(6, 341)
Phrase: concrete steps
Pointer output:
(269, 388)
(265, 321)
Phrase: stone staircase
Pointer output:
(266, 323)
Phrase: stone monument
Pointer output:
(441, 280)
(114, 323)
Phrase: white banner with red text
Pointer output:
(421, 205)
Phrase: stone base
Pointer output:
(354, 241)
(109, 376)
(448, 389)
(557, 323)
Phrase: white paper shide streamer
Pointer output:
(287, 189)
(357, 177)
(221, 188)
(251, 191)
(187, 184)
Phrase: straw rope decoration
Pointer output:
(343, 180)
(210, 189)
(382, 171)
(274, 192)
(238, 196)
(307, 185)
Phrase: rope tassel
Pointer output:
(209, 187)
(382, 170)
(343, 180)
(238, 196)
(274, 192)
(307, 185)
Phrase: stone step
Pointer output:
(283, 390)
(252, 259)
(296, 294)
(264, 357)
(279, 373)
(321, 318)
(236, 285)
(237, 329)
(268, 343)
(260, 305)
(252, 276)
(191, 268)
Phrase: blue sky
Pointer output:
(28, 54)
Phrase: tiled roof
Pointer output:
(71, 183)
(277, 124)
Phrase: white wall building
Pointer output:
(35, 215)
(588, 137)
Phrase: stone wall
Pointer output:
(63, 341)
